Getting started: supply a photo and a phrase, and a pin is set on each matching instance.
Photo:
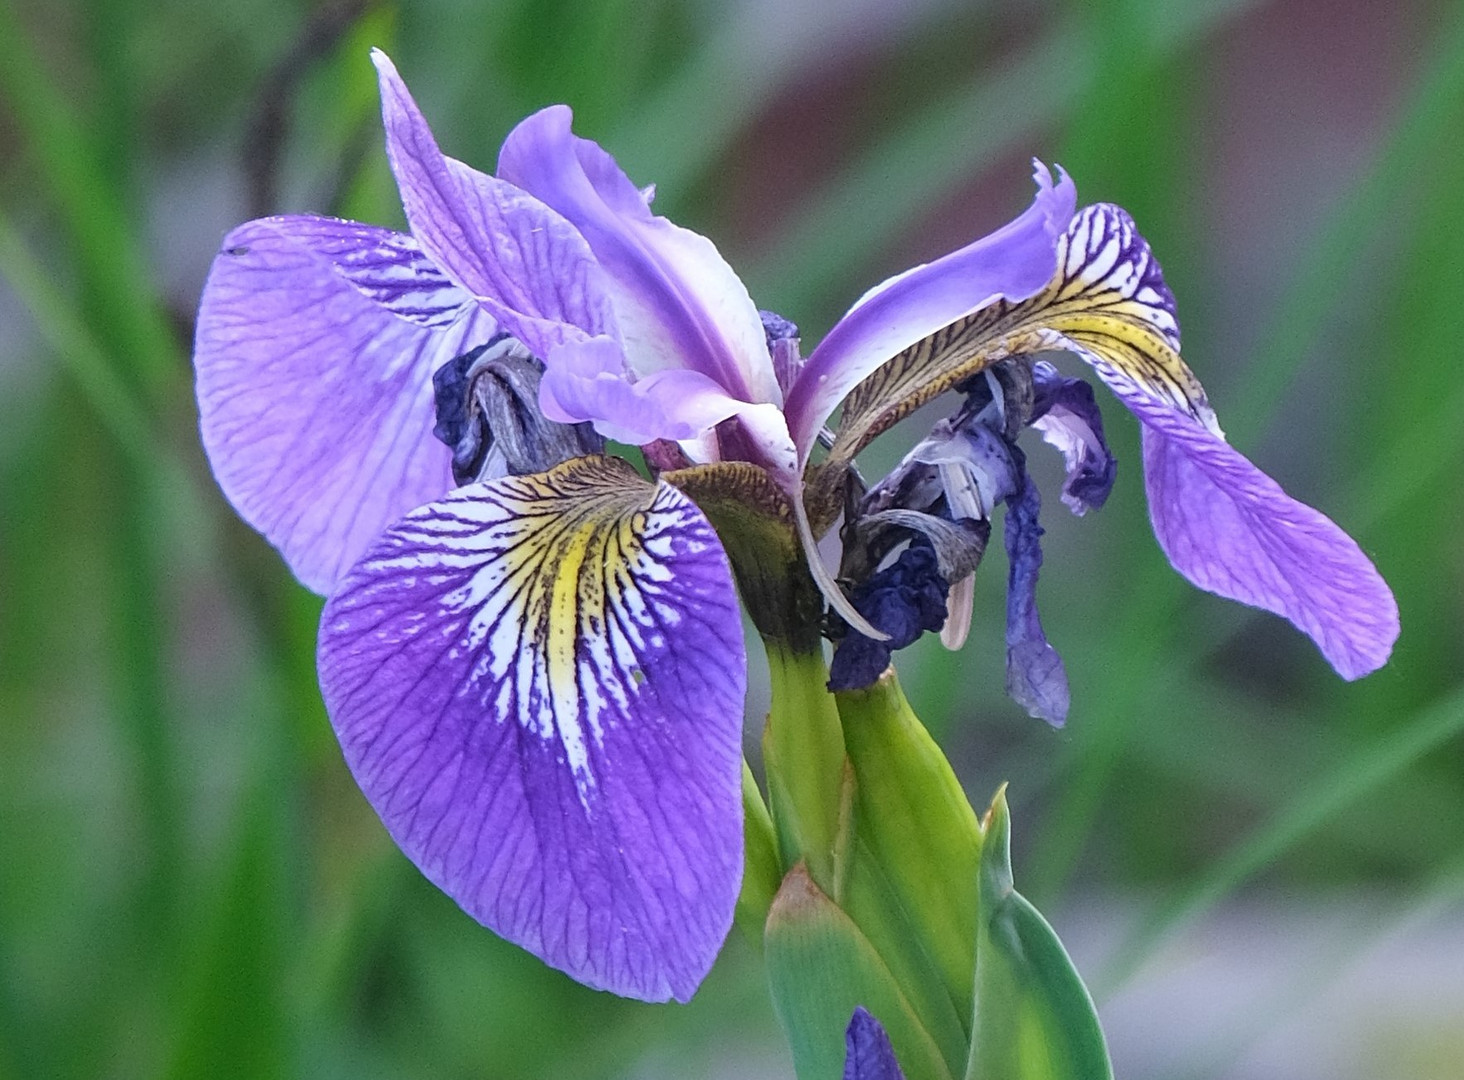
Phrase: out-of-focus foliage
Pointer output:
(191, 886)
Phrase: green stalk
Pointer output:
(803, 750)
(760, 870)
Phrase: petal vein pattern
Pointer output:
(538, 682)
(1223, 523)
(522, 261)
(387, 267)
(314, 357)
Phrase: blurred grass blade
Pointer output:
(819, 968)
(174, 495)
(1355, 779)
(892, 186)
(234, 1020)
(75, 347)
(1034, 1019)
(1431, 119)
(1369, 931)
(108, 248)
(677, 136)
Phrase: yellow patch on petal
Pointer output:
(568, 592)
(1106, 301)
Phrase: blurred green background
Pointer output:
(1259, 868)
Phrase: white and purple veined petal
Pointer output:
(1012, 263)
(538, 683)
(314, 353)
(1225, 525)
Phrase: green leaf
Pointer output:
(1034, 1019)
(820, 967)
(911, 881)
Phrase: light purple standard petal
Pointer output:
(1229, 528)
(677, 302)
(581, 383)
(526, 264)
(315, 348)
(538, 683)
(868, 1053)
(1013, 263)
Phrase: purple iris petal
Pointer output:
(1013, 263)
(1224, 524)
(1035, 678)
(528, 266)
(580, 384)
(1229, 528)
(678, 303)
(538, 683)
(1066, 414)
(868, 1053)
(315, 349)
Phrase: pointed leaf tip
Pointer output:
(1034, 1019)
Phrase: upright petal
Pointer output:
(1224, 524)
(678, 303)
(1011, 264)
(524, 262)
(538, 683)
(316, 344)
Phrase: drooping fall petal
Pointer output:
(1224, 524)
(315, 349)
(1231, 529)
(538, 683)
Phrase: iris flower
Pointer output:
(533, 657)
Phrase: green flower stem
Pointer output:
(761, 873)
(917, 832)
(803, 750)
(820, 966)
